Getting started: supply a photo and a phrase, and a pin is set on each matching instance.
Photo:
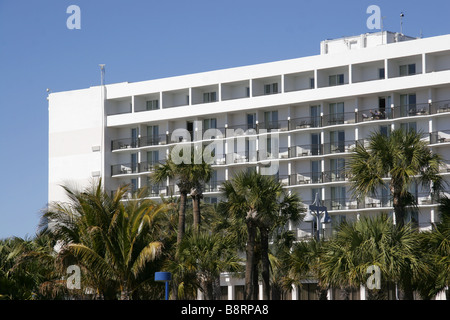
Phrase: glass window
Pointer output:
(271, 88)
(152, 135)
(209, 123)
(407, 69)
(209, 97)
(271, 119)
(315, 171)
(315, 144)
(152, 105)
(315, 116)
(335, 80)
(336, 111)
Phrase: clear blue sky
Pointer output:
(142, 40)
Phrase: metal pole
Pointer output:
(167, 290)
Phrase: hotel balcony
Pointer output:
(134, 168)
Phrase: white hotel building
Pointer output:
(318, 107)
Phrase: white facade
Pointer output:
(318, 106)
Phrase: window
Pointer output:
(315, 171)
(337, 141)
(271, 88)
(407, 69)
(336, 220)
(385, 196)
(407, 105)
(251, 121)
(336, 80)
(154, 189)
(209, 97)
(134, 185)
(134, 137)
(409, 126)
(337, 198)
(152, 158)
(316, 144)
(152, 105)
(381, 73)
(337, 169)
(271, 120)
(209, 124)
(134, 163)
(336, 111)
(152, 135)
(315, 116)
(385, 130)
(311, 83)
(211, 186)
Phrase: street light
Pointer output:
(164, 277)
(317, 213)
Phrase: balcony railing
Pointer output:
(126, 143)
(440, 136)
(280, 125)
(305, 122)
(127, 168)
(339, 146)
(153, 140)
(440, 107)
(338, 118)
(411, 110)
(374, 114)
(445, 167)
(305, 150)
(133, 168)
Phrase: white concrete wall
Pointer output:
(75, 127)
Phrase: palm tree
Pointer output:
(190, 178)
(208, 254)
(373, 241)
(262, 204)
(304, 263)
(403, 157)
(26, 265)
(436, 247)
(111, 239)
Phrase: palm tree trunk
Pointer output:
(255, 280)
(196, 211)
(265, 272)
(124, 292)
(181, 216)
(250, 252)
(399, 209)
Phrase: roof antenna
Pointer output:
(401, 23)
(102, 70)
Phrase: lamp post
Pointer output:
(319, 214)
(164, 277)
